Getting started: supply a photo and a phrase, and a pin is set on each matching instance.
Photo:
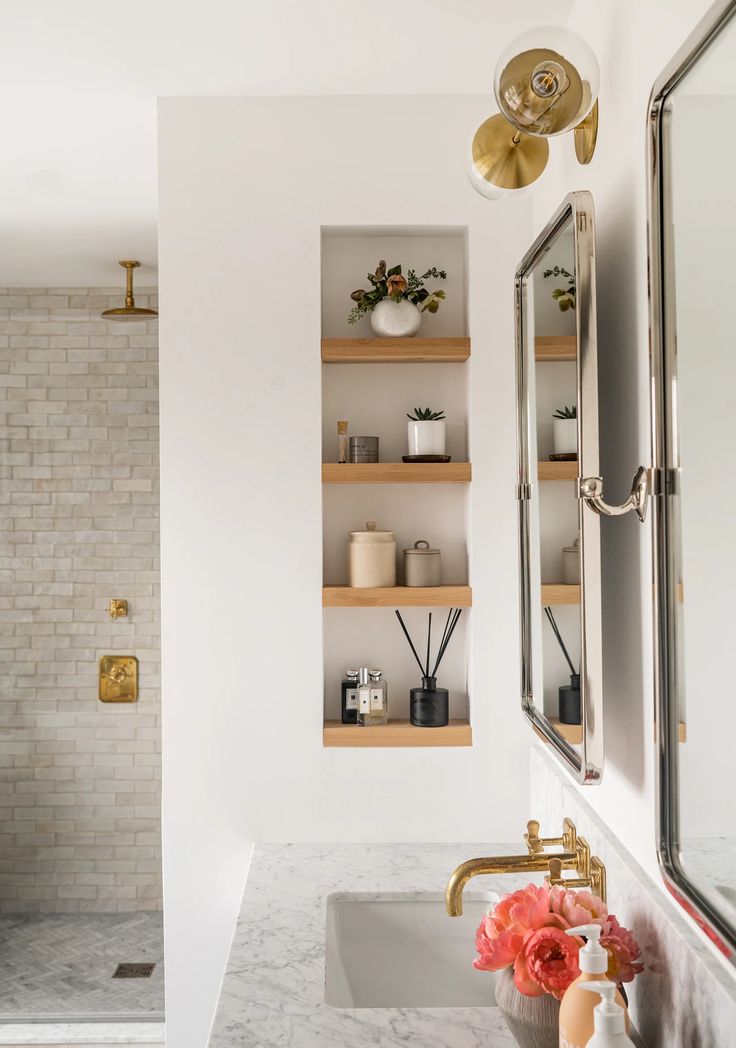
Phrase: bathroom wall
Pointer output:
(241, 499)
(80, 800)
(633, 42)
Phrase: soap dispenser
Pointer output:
(609, 1018)
(578, 1005)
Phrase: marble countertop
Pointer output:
(273, 992)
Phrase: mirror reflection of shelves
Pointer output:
(385, 379)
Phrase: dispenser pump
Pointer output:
(608, 1017)
(592, 958)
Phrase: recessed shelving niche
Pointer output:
(386, 379)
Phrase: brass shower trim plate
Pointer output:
(118, 678)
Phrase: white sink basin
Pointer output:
(401, 950)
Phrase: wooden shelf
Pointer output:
(555, 347)
(397, 733)
(397, 597)
(395, 350)
(547, 470)
(572, 732)
(396, 472)
(560, 593)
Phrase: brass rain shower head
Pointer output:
(129, 311)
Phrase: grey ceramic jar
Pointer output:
(422, 565)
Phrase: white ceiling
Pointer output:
(80, 81)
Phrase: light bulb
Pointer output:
(546, 81)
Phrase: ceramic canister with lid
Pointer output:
(421, 565)
(371, 558)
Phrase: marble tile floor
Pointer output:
(57, 968)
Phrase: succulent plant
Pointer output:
(426, 415)
(566, 413)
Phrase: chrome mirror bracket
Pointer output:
(591, 492)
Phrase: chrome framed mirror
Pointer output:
(559, 537)
(692, 230)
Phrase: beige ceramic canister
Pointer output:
(421, 565)
(371, 557)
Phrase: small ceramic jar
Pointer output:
(371, 558)
(421, 565)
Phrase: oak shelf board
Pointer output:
(396, 472)
(555, 347)
(397, 597)
(560, 593)
(396, 733)
(573, 733)
(547, 470)
(395, 350)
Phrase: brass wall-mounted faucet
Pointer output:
(591, 873)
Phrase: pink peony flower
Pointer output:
(623, 952)
(500, 935)
(547, 963)
(577, 907)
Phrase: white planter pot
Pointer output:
(395, 319)
(565, 436)
(427, 438)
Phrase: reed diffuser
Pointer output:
(430, 705)
(569, 694)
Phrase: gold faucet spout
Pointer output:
(537, 863)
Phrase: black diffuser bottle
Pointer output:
(568, 694)
(570, 700)
(429, 705)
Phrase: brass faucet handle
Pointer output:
(536, 844)
(555, 872)
(555, 876)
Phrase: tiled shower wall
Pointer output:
(79, 507)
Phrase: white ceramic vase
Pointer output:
(565, 436)
(427, 438)
(533, 1021)
(392, 319)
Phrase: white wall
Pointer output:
(633, 41)
(245, 185)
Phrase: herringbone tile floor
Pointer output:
(61, 965)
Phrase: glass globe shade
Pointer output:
(546, 81)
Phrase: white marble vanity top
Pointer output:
(273, 991)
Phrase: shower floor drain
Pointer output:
(133, 971)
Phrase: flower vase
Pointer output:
(533, 1021)
(391, 319)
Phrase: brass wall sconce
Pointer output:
(546, 84)
(118, 678)
(117, 609)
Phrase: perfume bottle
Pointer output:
(372, 699)
(349, 697)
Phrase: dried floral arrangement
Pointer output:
(391, 283)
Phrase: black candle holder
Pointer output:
(429, 706)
